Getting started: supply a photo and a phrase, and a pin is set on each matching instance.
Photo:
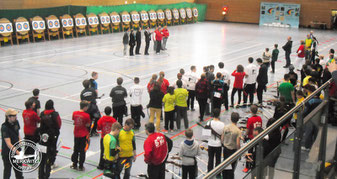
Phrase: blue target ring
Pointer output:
(19, 26)
(51, 23)
(2, 28)
(64, 22)
(41, 25)
(25, 26)
(107, 19)
(56, 23)
(8, 27)
(35, 25)
(83, 21)
(70, 22)
(95, 19)
(78, 22)
(90, 20)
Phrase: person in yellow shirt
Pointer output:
(307, 77)
(127, 143)
(169, 100)
(308, 42)
(300, 98)
(181, 95)
(111, 150)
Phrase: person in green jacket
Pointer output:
(274, 57)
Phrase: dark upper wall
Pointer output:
(248, 11)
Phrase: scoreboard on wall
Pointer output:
(280, 14)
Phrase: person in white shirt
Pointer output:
(226, 78)
(136, 92)
(214, 141)
(191, 81)
(250, 82)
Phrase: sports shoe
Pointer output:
(54, 166)
(73, 166)
(81, 168)
(165, 131)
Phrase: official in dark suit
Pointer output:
(147, 34)
(262, 80)
(287, 48)
(132, 42)
(138, 40)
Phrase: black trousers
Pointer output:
(147, 45)
(169, 119)
(101, 159)
(202, 107)
(190, 99)
(33, 138)
(216, 103)
(156, 171)
(249, 90)
(138, 47)
(234, 90)
(136, 112)
(190, 171)
(131, 49)
(213, 152)
(288, 62)
(111, 170)
(228, 174)
(259, 90)
(273, 65)
(95, 115)
(78, 155)
(158, 46)
(54, 145)
(45, 166)
(225, 98)
(118, 112)
(8, 168)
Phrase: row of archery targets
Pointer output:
(53, 27)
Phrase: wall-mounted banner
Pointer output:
(280, 14)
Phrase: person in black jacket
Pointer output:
(287, 48)
(118, 95)
(202, 90)
(262, 80)
(132, 42)
(139, 40)
(125, 41)
(147, 34)
(155, 105)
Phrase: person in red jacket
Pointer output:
(30, 120)
(300, 60)
(253, 122)
(239, 74)
(166, 34)
(152, 82)
(104, 125)
(156, 152)
(81, 131)
(159, 38)
(49, 110)
(164, 83)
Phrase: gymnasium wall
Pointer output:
(248, 11)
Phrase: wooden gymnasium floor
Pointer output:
(58, 67)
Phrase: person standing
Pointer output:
(266, 57)
(9, 136)
(159, 38)
(163, 83)
(214, 141)
(147, 35)
(274, 57)
(126, 41)
(81, 125)
(117, 95)
(287, 90)
(287, 48)
(50, 111)
(300, 56)
(151, 83)
(138, 40)
(253, 122)
(239, 74)
(30, 119)
(218, 86)
(169, 100)
(104, 125)
(192, 79)
(136, 92)
(132, 42)
(156, 149)
(155, 105)
(262, 80)
(93, 83)
(127, 143)
(181, 95)
(251, 71)
(202, 91)
(231, 138)
(35, 99)
(182, 78)
(166, 35)
(154, 39)
(308, 43)
(227, 81)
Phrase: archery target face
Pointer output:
(153, 16)
(168, 15)
(145, 16)
(175, 14)
(93, 20)
(189, 13)
(80, 21)
(161, 15)
(5, 28)
(38, 25)
(22, 26)
(195, 12)
(183, 13)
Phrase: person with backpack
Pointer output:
(104, 125)
(202, 91)
(218, 86)
(48, 133)
(30, 120)
(156, 149)
(239, 74)
(47, 113)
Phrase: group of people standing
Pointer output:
(132, 39)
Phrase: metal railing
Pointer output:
(257, 141)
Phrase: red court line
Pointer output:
(182, 132)
(3, 109)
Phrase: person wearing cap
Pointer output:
(10, 135)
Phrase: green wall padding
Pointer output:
(139, 7)
(72, 10)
